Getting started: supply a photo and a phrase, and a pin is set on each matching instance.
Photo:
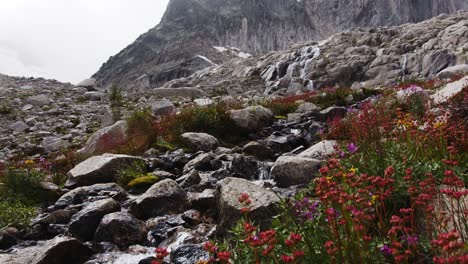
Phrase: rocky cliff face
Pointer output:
(195, 34)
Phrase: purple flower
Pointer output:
(411, 240)
(352, 148)
(386, 250)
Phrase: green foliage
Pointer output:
(22, 184)
(16, 214)
(141, 132)
(280, 108)
(213, 120)
(117, 101)
(143, 181)
(130, 173)
(5, 108)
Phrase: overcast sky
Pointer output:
(68, 40)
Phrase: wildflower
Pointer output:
(29, 162)
(298, 254)
(353, 170)
(287, 259)
(224, 256)
(352, 148)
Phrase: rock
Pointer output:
(89, 84)
(449, 90)
(203, 102)
(203, 162)
(332, 112)
(307, 108)
(164, 197)
(320, 151)
(179, 92)
(106, 139)
(19, 126)
(461, 69)
(244, 167)
(84, 223)
(98, 169)
(94, 96)
(257, 150)
(60, 216)
(121, 229)
(83, 194)
(8, 238)
(189, 254)
(203, 201)
(38, 100)
(264, 203)
(200, 141)
(288, 171)
(62, 250)
(252, 118)
(53, 144)
(163, 107)
(189, 179)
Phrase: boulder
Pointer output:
(203, 162)
(189, 179)
(252, 118)
(84, 223)
(38, 100)
(244, 167)
(288, 171)
(179, 92)
(257, 150)
(8, 238)
(94, 96)
(164, 197)
(83, 194)
(200, 141)
(19, 126)
(264, 203)
(106, 139)
(62, 250)
(163, 107)
(89, 84)
(449, 90)
(306, 108)
(98, 169)
(320, 151)
(332, 112)
(53, 144)
(121, 229)
(461, 69)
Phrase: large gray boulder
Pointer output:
(106, 139)
(89, 84)
(162, 107)
(62, 250)
(84, 223)
(121, 229)
(252, 118)
(288, 171)
(264, 203)
(38, 100)
(85, 193)
(321, 150)
(200, 141)
(460, 69)
(98, 169)
(164, 197)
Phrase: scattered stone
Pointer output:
(164, 197)
(120, 228)
(61, 250)
(19, 126)
(200, 141)
(289, 171)
(98, 169)
(252, 118)
(38, 100)
(163, 107)
(321, 150)
(84, 223)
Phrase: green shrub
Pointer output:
(5, 108)
(16, 214)
(130, 173)
(22, 183)
(141, 132)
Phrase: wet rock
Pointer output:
(188, 254)
(263, 206)
(189, 179)
(60, 216)
(321, 150)
(257, 150)
(191, 217)
(164, 174)
(203, 201)
(289, 171)
(106, 139)
(200, 141)
(98, 169)
(203, 162)
(61, 250)
(83, 194)
(164, 197)
(122, 229)
(252, 118)
(244, 167)
(84, 223)
(163, 107)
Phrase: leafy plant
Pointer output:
(130, 173)
(16, 214)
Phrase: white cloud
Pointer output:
(69, 40)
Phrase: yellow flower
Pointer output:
(29, 162)
(353, 170)
(438, 125)
(373, 199)
(329, 178)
